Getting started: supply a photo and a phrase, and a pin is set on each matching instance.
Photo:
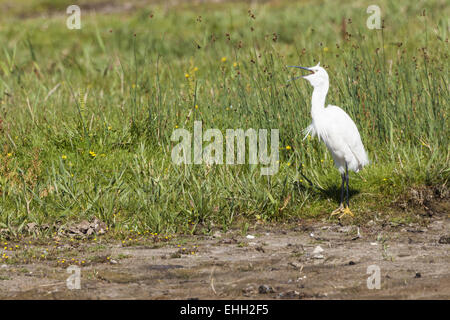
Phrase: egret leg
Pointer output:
(346, 174)
(346, 209)
(341, 205)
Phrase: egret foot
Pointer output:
(338, 210)
(345, 211)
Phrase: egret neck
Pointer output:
(318, 99)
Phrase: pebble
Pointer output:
(263, 289)
(318, 249)
(317, 252)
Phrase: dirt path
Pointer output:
(279, 262)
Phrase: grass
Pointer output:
(86, 115)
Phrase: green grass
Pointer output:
(86, 115)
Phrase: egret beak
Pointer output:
(304, 68)
(299, 67)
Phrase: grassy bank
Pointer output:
(86, 115)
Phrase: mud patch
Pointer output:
(305, 260)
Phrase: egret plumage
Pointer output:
(337, 130)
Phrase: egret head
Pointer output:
(317, 77)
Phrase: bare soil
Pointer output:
(278, 263)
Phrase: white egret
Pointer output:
(334, 126)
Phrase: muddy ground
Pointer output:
(278, 262)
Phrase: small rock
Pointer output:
(371, 223)
(249, 236)
(317, 253)
(249, 290)
(264, 289)
(31, 226)
(4, 266)
(98, 226)
(74, 230)
(373, 244)
(113, 261)
(84, 226)
(217, 234)
(317, 250)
